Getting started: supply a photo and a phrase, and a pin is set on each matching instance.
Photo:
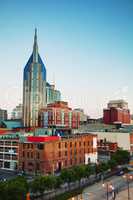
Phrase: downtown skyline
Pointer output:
(87, 49)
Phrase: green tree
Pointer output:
(3, 191)
(121, 156)
(38, 185)
(89, 170)
(67, 176)
(80, 172)
(58, 182)
(112, 163)
(15, 189)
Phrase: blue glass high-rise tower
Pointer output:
(34, 87)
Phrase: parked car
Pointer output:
(120, 173)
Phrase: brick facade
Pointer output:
(52, 156)
(59, 114)
(112, 115)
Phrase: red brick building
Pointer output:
(47, 155)
(105, 146)
(59, 114)
(116, 115)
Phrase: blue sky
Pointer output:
(86, 45)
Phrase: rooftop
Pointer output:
(118, 101)
(99, 127)
(10, 124)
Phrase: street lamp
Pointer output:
(109, 188)
(128, 179)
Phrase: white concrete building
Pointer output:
(92, 157)
(124, 140)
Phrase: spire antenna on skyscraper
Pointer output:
(35, 37)
(34, 92)
(35, 47)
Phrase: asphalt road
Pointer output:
(7, 175)
(98, 192)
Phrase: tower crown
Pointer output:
(35, 48)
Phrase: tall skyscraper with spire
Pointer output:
(34, 87)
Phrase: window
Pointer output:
(7, 157)
(6, 164)
(30, 164)
(65, 162)
(1, 156)
(65, 144)
(37, 166)
(75, 151)
(75, 144)
(38, 155)
(14, 149)
(88, 143)
(59, 145)
(84, 143)
(59, 153)
(14, 143)
(27, 154)
(40, 146)
(23, 154)
(1, 164)
(79, 143)
(31, 154)
(14, 157)
(8, 143)
(1, 142)
(65, 153)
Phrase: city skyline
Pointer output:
(87, 49)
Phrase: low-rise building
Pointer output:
(47, 155)
(59, 114)
(106, 149)
(117, 112)
(9, 151)
(124, 140)
(83, 116)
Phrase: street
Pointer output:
(6, 175)
(98, 192)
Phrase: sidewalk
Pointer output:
(124, 195)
